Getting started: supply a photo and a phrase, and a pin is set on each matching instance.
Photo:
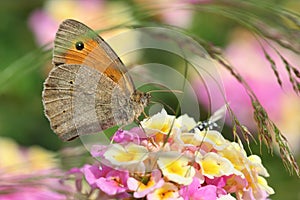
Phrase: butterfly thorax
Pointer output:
(139, 100)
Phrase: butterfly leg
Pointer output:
(149, 139)
(146, 116)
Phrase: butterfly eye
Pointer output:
(79, 45)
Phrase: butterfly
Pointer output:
(89, 88)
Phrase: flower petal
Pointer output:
(176, 167)
(213, 165)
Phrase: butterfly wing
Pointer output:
(88, 88)
(81, 100)
(96, 53)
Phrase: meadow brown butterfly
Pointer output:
(88, 90)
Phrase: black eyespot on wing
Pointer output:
(79, 45)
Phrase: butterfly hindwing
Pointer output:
(78, 100)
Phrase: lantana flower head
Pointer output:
(164, 160)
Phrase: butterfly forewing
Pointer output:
(89, 89)
(96, 53)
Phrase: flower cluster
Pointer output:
(163, 160)
(30, 173)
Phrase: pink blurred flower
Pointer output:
(208, 192)
(134, 135)
(115, 182)
(30, 173)
(228, 184)
(195, 191)
(246, 55)
(235, 183)
(93, 172)
(217, 181)
(109, 180)
(77, 172)
(177, 14)
(98, 150)
(31, 192)
(44, 22)
(250, 195)
(98, 14)
(173, 12)
(43, 26)
(199, 1)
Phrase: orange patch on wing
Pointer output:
(74, 56)
(113, 73)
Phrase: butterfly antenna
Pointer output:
(159, 101)
(166, 91)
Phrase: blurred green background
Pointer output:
(21, 112)
(22, 75)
